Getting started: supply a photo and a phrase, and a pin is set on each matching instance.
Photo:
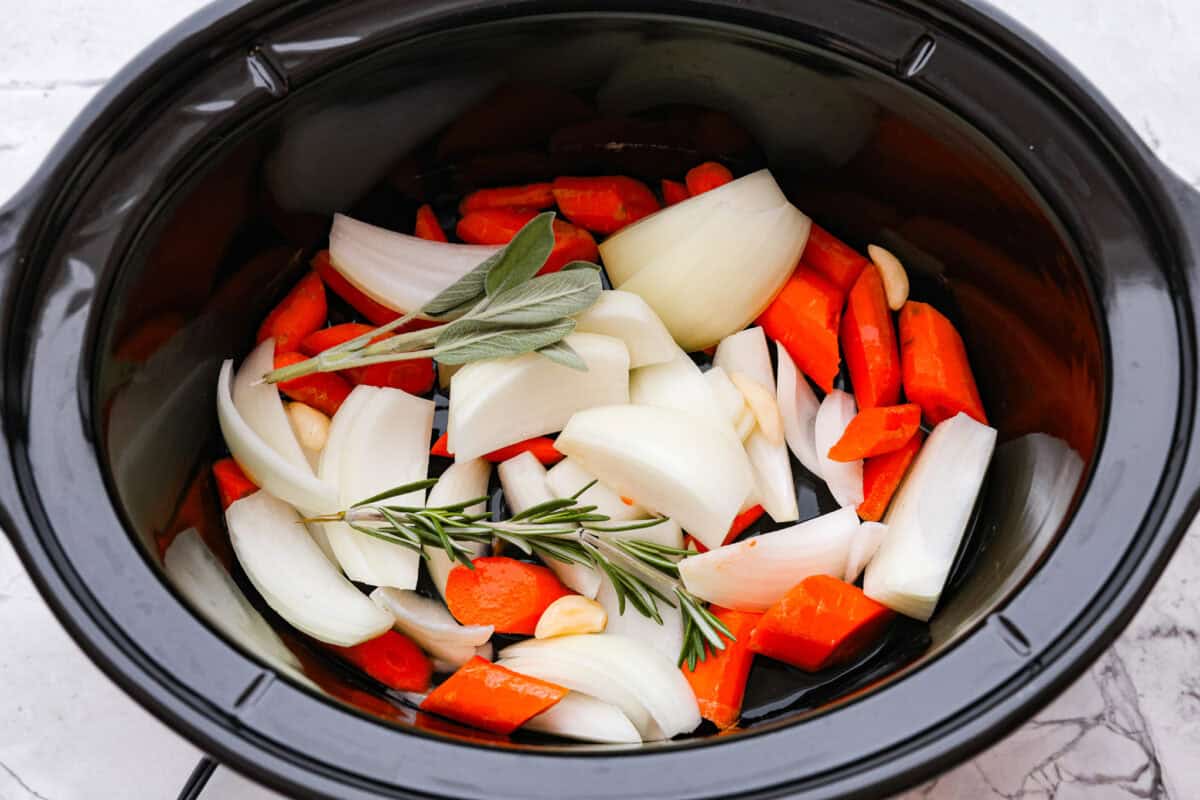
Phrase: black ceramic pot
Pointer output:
(1012, 190)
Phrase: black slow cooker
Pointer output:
(939, 128)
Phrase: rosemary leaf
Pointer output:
(407, 488)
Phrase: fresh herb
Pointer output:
(503, 307)
(642, 573)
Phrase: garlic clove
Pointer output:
(570, 615)
(895, 279)
(310, 426)
(763, 404)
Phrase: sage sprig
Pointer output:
(502, 308)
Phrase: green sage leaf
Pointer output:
(522, 257)
(541, 300)
(473, 340)
(581, 265)
(563, 353)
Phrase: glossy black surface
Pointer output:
(987, 162)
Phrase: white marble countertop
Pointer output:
(1129, 728)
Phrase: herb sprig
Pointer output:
(642, 573)
(501, 308)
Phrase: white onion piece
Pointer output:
(680, 385)
(428, 623)
(709, 265)
(585, 719)
(863, 547)
(844, 478)
(928, 517)
(289, 481)
(396, 270)
(676, 464)
(501, 401)
(329, 469)
(523, 479)
(667, 533)
(464, 480)
(262, 408)
(627, 317)
(755, 573)
(798, 406)
(647, 686)
(746, 352)
(666, 638)
(294, 577)
(732, 403)
(567, 477)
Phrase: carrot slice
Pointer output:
(324, 391)
(882, 476)
(571, 243)
(719, 681)
(937, 374)
(319, 341)
(393, 659)
(500, 225)
(529, 196)
(232, 483)
(492, 698)
(504, 592)
(837, 261)
(415, 376)
(736, 528)
(605, 204)
(674, 192)
(542, 448)
(804, 318)
(442, 447)
(820, 623)
(877, 431)
(869, 342)
(376, 313)
(427, 226)
(300, 313)
(706, 177)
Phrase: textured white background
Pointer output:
(1129, 728)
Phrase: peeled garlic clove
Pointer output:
(310, 426)
(569, 615)
(762, 402)
(895, 279)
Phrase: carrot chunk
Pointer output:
(321, 340)
(937, 374)
(442, 447)
(393, 659)
(605, 204)
(500, 225)
(492, 698)
(527, 197)
(324, 391)
(504, 592)
(542, 448)
(377, 313)
(232, 483)
(804, 318)
(415, 376)
(820, 623)
(882, 476)
(427, 226)
(736, 528)
(837, 261)
(706, 177)
(300, 313)
(869, 343)
(571, 243)
(719, 681)
(674, 192)
(876, 431)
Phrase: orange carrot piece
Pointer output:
(377, 313)
(627, 500)
(837, 261)
(882, 476)
(415, 376)
(393, 659)
(877, 431)
(324, 391)
(427, 226)
(319, 341)
(605, 204)
(736, 528)
(442, 447)
(571, 243)
(937, 374)
(527, 197)
(500, 225)
(232, 483)
(820, 623)
(719, 681)
(804, 318)
(504, 592)
(706, 177)
(674, 192)
(300, 313)
(542, 448)
(492, 698)
(869, 343)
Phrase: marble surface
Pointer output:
(1130, 728)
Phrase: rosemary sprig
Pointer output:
(642, 573)
(503, 308)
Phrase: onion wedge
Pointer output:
(844, 478)
(666, 638)
(428, 623)
(677, 465)
(645, 685)
(680, 385)
(755, 573)
(863, 547)
(567, 477)
(501, 401)
(585, 719)
(294, 577)
(627, 317)
(731, 401)
(929, 516)
(798, 406)
(464, 480)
